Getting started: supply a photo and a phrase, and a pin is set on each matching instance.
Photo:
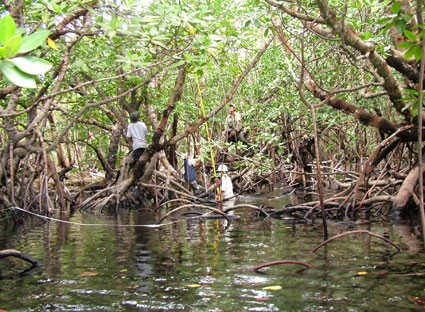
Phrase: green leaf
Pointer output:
(7, 28)
(411, 91)
(409, 52)
(12, 45)
(14, 75)
(32, 65)
(405, 45)
(395, 8)
(33, 41)
(417, 52)
(400, 25)
(366, 36)
(415, 109)
(410, 35)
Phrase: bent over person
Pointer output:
(137, 132)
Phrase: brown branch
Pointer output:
(354, 232)
(268, 264)
(229, 96)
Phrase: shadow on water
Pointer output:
(192, 264)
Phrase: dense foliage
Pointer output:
(324, 86)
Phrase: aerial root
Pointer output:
(355, 232)
(218, 211)
(268, 264)
(246, 206)
(16, 253)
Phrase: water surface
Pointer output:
(205, 265)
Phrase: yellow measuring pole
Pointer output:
(201, 102)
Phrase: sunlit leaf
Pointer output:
(33, 41)
(7, 28)
(405, 45)
(193, 285)
(409, 52)
(88, 273)
(32, 65)
(410, 35)
(417, 52)
(190, 29)
(12, 45)
(52, 44)
(362, 273)
(16, 76)
(395, 8)
(277, 287)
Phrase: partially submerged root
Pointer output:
(269, 264)
(226, 210)
(218, 211)
(17, 254)
(355, 232)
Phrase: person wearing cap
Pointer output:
(136, 133)
(225, 183)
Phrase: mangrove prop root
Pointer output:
(15, 253)
(355, 232)
(218, 211)
(268, 264)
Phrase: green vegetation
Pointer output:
(326, 88)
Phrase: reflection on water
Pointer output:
(203, 265)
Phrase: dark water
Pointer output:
(194, 265)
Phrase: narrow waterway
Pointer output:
(101, 262)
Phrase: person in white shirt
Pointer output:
(226, 185)
(136, 133)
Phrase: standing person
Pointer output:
(234, 130)
(190, 172)
(225, 183)
(136, 133)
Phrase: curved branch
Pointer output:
(355, 232)
(351, 38)
(268, 264)
(295, 13)
(16, 253)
